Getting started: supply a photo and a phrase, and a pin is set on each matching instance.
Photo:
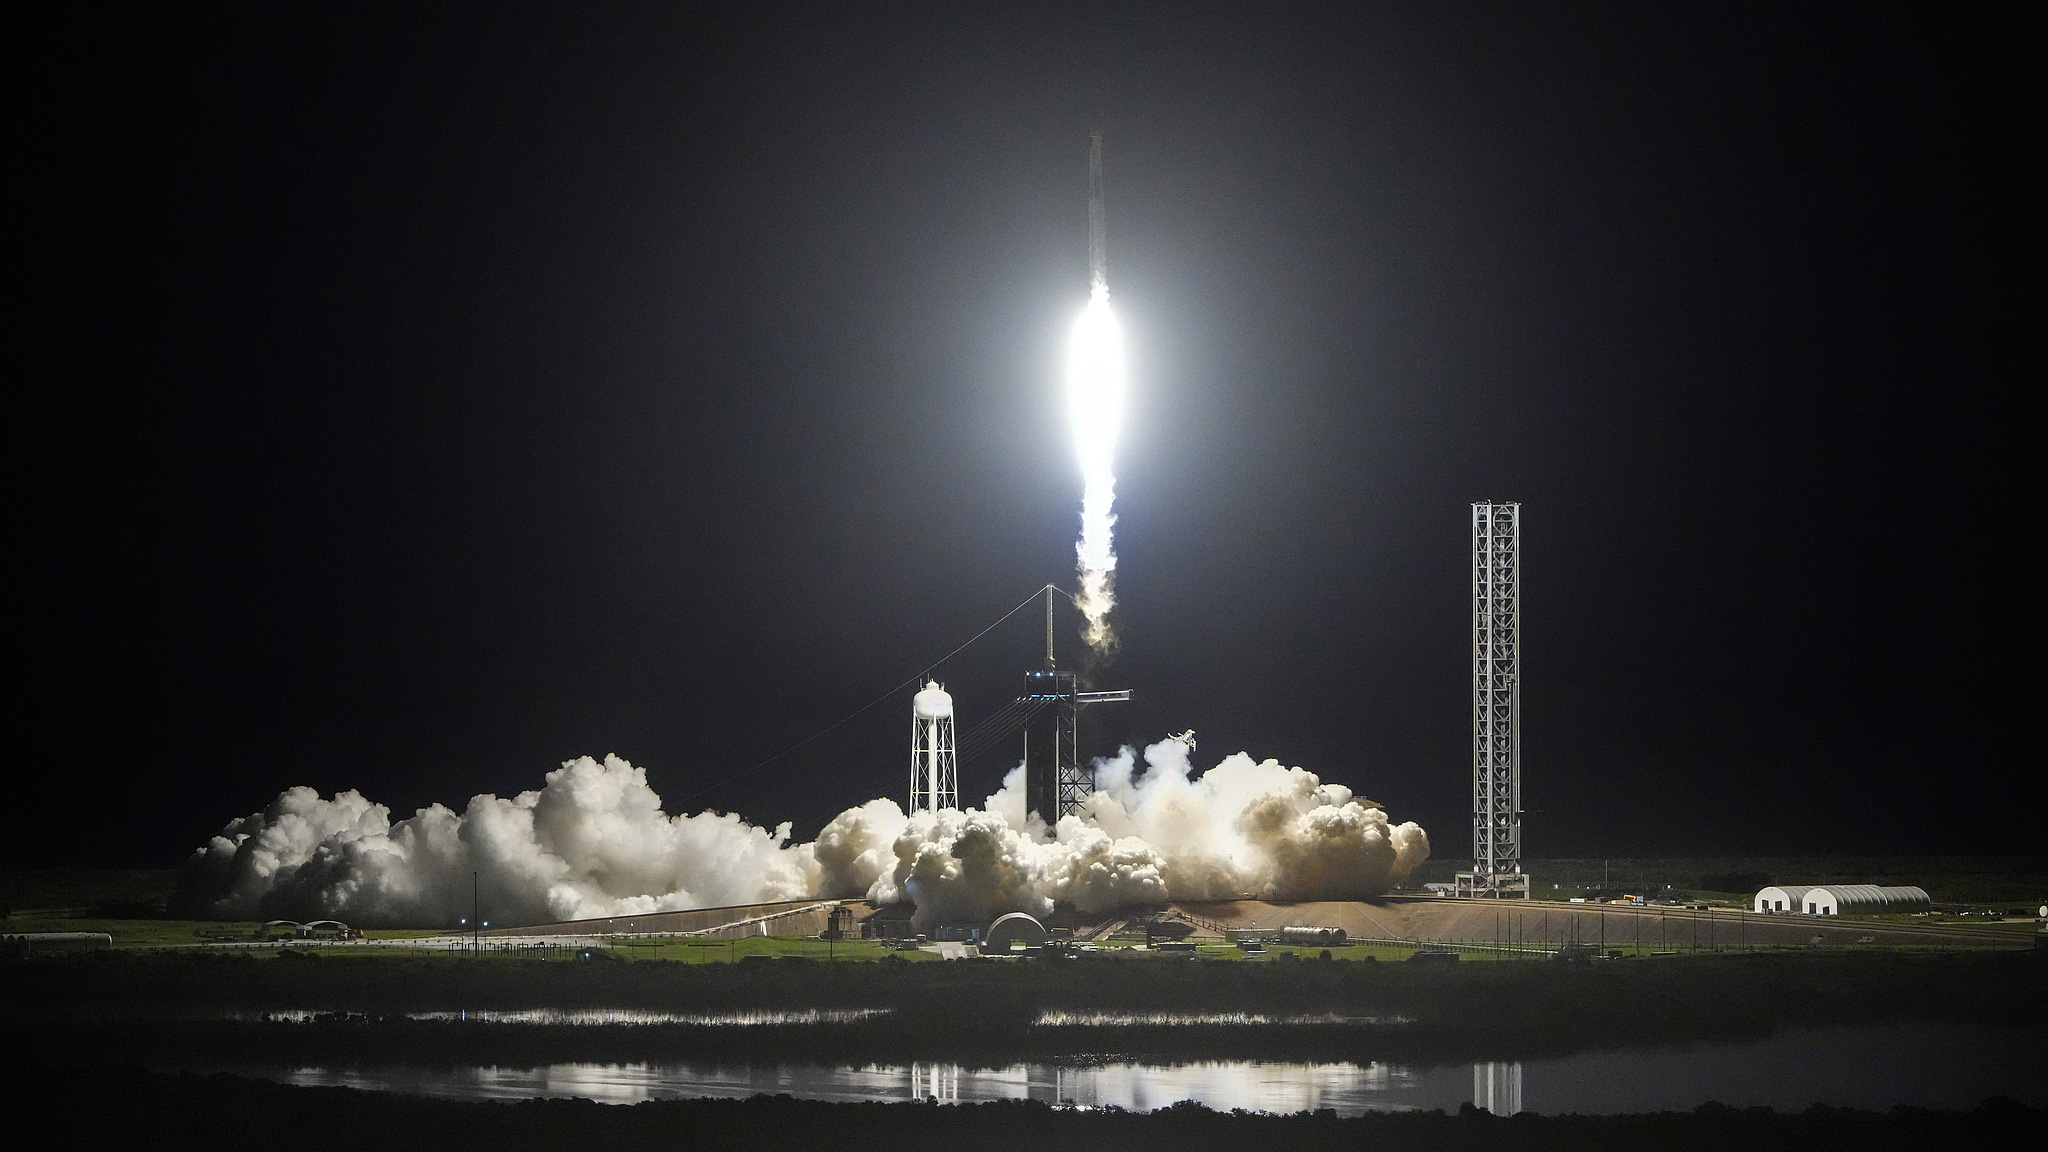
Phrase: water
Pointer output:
(576, 1016)
(1926, 1065)
(1155, 1019)
(640, 1016)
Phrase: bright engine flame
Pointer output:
(1095, 409)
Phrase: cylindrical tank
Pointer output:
(22, 944)
(1312, 937)
(933, 703)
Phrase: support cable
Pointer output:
(919, 678)
(999, 727)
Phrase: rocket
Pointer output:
(1098, 224)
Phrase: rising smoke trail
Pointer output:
(1095, 409)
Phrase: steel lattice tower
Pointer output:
(1496, 703)
(1058, 786)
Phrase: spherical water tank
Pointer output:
(933, 703)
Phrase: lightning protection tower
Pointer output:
(934, 763)
(1496, 704)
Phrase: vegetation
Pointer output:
(732, 949)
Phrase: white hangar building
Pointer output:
(1841, 899)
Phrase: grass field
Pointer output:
(127, 903)
(2006, 881)
(715, 951)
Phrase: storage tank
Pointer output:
(1312, 937)
(24, 944)
(932, 702)
(934, 762)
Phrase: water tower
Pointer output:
(934, 766)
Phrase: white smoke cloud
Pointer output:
(593, 841)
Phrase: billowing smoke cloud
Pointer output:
(593, 841)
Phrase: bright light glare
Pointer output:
(1095, 410)
(1095, 387)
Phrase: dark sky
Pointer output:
(411, 400)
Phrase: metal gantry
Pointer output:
(1496, 703)
(1059, 785)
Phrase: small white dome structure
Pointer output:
(934, 763)
(1011, 928)
(1783, 898)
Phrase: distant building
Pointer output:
(1841, 899)
(1854, 899)
(1784, 898)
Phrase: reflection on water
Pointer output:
(564, 1016)
(1154, 1019)
(1253, 1085)
(1922, 1065)
(1497, 1087)
(639, 1016)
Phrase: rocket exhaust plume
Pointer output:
(594, 841)
(1095, 409)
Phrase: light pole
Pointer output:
(476, 907)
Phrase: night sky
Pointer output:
(412, 400)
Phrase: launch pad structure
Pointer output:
(1058, 784)
(1496, 705)
(1058, 778)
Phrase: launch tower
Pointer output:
(1060, 779)
(1496, 704)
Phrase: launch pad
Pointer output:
(1058, 777)
(1058, 784)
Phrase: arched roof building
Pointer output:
(1012, 928)
(1864, 899)
(1783, 898)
